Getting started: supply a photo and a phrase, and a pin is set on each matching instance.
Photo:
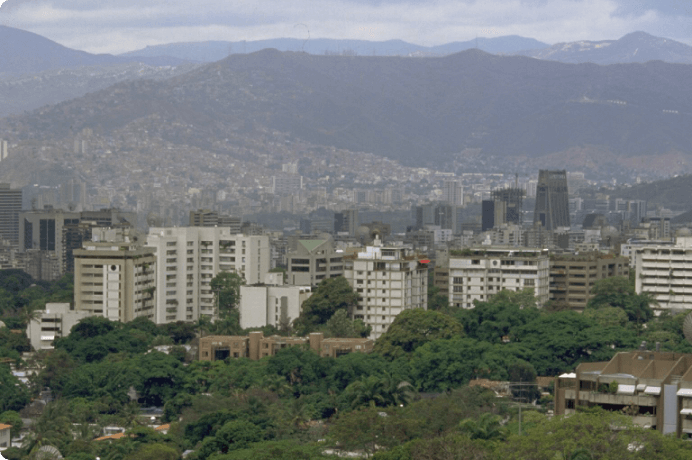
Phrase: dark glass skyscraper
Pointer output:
(552, 200)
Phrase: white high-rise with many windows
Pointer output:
(387, 281)
(189, 257)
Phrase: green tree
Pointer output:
(331, 295)
(11, 417)
(607, 316)
(437, 301)
(413, 328)
(487, 427)
(565, 437)
(619, 292)
(13, 396)
(288, 449)
(341, 326)
(155, 451)
(226, 286)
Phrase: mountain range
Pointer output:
(634, 47)
(419, 111)
(25, 52)
(211, 51)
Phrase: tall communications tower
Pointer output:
(552, 200)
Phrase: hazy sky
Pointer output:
(116, 26)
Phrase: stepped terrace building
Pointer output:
(653, 388)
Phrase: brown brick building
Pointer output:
(255, 346)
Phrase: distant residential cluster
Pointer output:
(557, 246)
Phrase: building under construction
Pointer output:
(552, 200)
(508, 205)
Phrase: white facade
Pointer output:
(271, 305)
(56, 321)
(387, 281)
(665, 272)
(482, 273)
(189, 257)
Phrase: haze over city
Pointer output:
(369, 229)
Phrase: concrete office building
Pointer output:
(271, 305)
(312, 261)
(387, 280)
(10, 207)
(115, 279)
(665, 272)
(480, 273)
(573, 276)
(653, 388)
(188, 259)
(256, 346)
(56, 321)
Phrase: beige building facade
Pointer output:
(256, 346)
(115, 280)
(190, 257)
(572, 276)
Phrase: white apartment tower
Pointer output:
(665, 272)
(387, 281)
(478, 274)
(453, 193)
(188, 259)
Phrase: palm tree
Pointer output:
(27, 315)
(399, 393)
(487, 427)
(369, 391)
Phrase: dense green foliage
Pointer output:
(331, 295)
(406, 400)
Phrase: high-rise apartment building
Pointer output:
(552, 200)
(188, 259)
(387, 280)
(478, 274)
(346, 221)
(453, 193)
(114, 278)
(10, 207)
(665, 272)
(572, 276)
